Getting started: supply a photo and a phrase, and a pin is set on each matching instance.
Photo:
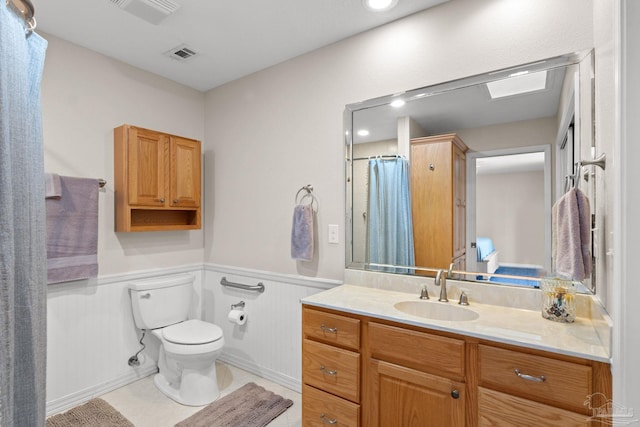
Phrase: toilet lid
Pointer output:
(192, 332)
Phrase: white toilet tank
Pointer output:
(161, 301)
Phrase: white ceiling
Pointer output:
(232, 38)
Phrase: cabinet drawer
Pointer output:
(418, 350)
(565, 383)
(497, 409)
(331, 328)
(322, 409)
(331, 369)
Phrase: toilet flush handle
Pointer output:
(146, 296)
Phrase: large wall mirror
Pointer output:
(464, 175)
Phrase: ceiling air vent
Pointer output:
(181, 53)
(152, 11)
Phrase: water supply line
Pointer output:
(133, 360)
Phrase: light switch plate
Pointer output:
(334, 233)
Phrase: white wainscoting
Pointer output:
(91, 333)
(269, 343)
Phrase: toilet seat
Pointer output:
(190, 337)
(192, 332)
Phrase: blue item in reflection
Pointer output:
(484, 246)
(389, 224)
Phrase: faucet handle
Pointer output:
(464, 299)
(424, 294)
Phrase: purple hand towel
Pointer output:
(302, 233)
(72, 231)
(571, 235)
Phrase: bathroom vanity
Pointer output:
(375, 357)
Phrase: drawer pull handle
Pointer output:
(455, 394)
(539, 379)
(326, 420)
(327, 371)
(327, 329)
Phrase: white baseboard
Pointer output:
(285, 381)
(67, 402)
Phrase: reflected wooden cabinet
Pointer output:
(157, 180)
(438, 200)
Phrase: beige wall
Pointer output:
(84, 96)
(272, 132)
(510, 210)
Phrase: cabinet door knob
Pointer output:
(455, 394)
(326, 420)
(175, 201)
(162, 200)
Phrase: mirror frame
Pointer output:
(544, 64)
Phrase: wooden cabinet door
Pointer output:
(147, 167)
(431, 193)
(459, 203)
(185, 172)
(405, 397)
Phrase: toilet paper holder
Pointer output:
(238, 304)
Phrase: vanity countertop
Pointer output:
(526, 328)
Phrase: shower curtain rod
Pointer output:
(385, 156)
(26, 9)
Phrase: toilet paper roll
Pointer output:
(239, 317)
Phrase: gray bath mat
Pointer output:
(249, 406)
(94, 413)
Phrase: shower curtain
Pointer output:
(22, 226)
(389, 225)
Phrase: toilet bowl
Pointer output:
(187, 361)
(189, 347)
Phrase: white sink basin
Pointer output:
(436, 310)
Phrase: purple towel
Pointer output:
(302, 233)
(52, 186)
(571, 235)
(72, 231)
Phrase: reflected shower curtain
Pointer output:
(389, 224)
(22, 226)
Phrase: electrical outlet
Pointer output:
(334, 233)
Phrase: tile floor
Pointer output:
(145, 406)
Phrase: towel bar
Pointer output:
(601, 161)
(258, 288)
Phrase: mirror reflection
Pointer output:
(464, 175)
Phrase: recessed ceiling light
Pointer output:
(397, 103)
(522, 83)
(363, 132)
(379, 5)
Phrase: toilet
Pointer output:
(188, 348)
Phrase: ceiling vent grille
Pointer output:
(181, 53)
(152, 11)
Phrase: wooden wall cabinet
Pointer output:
(383, 373)
(157, 180)
(438, 200)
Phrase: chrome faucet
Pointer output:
(441, 280)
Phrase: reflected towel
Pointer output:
(72, 231)
(302, 233)
(571, 235)
(52, 186)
